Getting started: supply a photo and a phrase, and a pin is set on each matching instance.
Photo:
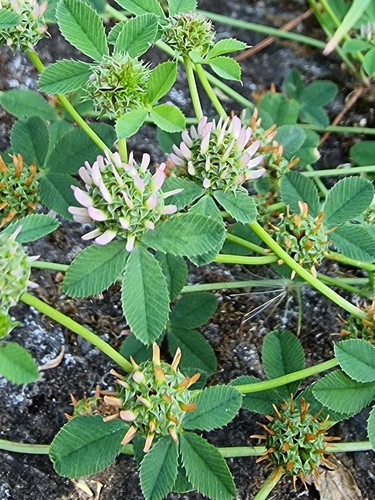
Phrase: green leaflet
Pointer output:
(82, 27)
(197, 354)
(34, 226)
(215, 407)
(226, 46)
(206, 468)
(357, 359)
(95, 269)
(158, 470)
(239, 205)
(342, 394)
(355, 242)
(56, 194)
(181, 6)
(139, 7)
(282, 353)
(30, 139)
(193, 310)
(225, 67)
(168, 118)
(16, 364)
(86, 445)
(294, 187)
(75, 147)
(145, 296)
(63, 77)
(258, 402)
(175, 271)
(137, 35)
(25, 103)
(348, 199)
(186, 235)
(161, 81)
(130, 123)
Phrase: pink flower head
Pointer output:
(218, 156)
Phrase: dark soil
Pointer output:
(35, 413)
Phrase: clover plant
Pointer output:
(244, 183)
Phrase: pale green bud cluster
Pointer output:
(303, 237)
(19, 189)
(367, 32)
(31, 28)
(189, 32)
(118, 84)
(153, 399)
(15, 266)
(295, 440)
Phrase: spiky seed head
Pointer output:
(19, 189)
(295, 439)
(157, 407)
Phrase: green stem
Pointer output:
(34, 449)
(269, 484)
(318, 182)
(50, 266)
(339, 129)
(340, 283)
(193, 87)
(287, 379)
(209, 91)
(304, 274)
(78, 329)
(272, 284)
(34, 58)
(337, 257)
(331, 172)
(123, 150)
(242, 451)
(246, 261)
(246, 244)
(266, 30)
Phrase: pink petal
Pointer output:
(85, 176)
(186, 138)
(176, 160)
(92, 234)
(253, 148)
(206, 183)
(82, 197)
(139, 184)
(105, 193)
(149, 225)
(96, 214)
(96, 174)
(190, 168)
(152, 202)
(158, 178)
(106, 237)
(124, 223)
(130, 243)
(145, 162)
(128, 201)
(168, 209)
(255, 174)
(254, 162)
(201, 124)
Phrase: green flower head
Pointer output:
(189, 32)
(118, 84)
